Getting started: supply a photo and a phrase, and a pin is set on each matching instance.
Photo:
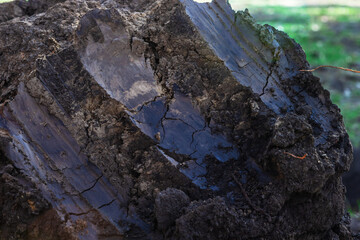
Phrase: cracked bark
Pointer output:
(106, 204)
(88, 189)
(272, 67)
(267, 81)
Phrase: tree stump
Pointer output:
(164, 119)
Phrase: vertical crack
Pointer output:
(267, 81)
(273, 65)
(195, 132)
(162, 120)
(131, 42)
(153, 46)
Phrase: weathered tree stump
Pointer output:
(164, 119)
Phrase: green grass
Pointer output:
(354, 211)
(1, 1)
(321, 31)
(351, 113)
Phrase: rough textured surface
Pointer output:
(165, 119)
(168, 206)
(19, 8)
(351, 179)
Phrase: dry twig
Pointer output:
(328, 66)
(303, 157)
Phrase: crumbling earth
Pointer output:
(164, 119)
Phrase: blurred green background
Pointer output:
(329, 33)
